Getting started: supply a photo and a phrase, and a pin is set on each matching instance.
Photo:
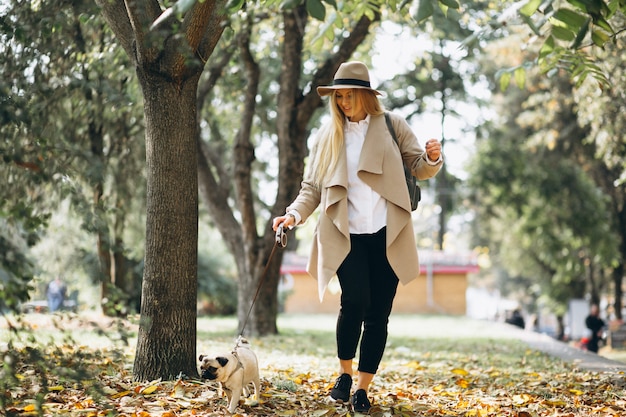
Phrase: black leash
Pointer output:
(280, 240)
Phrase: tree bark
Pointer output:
(169, 62)
(167, 332)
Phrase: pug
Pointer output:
(235, 371)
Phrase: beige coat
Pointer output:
(381, 168)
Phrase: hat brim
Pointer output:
(327, 90)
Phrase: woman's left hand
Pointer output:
(433, 149)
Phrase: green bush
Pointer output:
(217, 289)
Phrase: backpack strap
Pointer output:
(391, 129)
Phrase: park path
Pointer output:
(580, 358)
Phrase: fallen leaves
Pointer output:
(417, 378)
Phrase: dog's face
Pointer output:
(214, 368)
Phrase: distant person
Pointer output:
(596, 325)
(516, 319)
(56, 294)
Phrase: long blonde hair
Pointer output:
(330, 139)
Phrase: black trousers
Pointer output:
(368, 287)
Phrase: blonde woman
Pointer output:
(364, 233)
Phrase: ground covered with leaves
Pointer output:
(433, 366)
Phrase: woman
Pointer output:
(364, 234)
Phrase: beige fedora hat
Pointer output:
(353, 74)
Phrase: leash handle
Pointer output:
(281, 235)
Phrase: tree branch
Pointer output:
(116, 15)
(244, 149)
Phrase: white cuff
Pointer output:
(297, 216)
(433, 162)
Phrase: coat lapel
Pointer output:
(336, 201)
(381, 153)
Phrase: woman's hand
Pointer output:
(288, 220)
(433, 149)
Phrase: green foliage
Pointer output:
(217, 289)
(425, 9)
(71, 126)
(15, 275)
(569, 32)
(540, 205)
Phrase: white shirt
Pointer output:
(367, 210)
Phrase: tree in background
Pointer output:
(68, 129)
(539, 203)
(258, 101)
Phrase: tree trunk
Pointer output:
(166, 345)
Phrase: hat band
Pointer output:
(351, 81)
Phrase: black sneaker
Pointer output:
(360, 403)
(341, 390)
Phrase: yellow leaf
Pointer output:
(29, 407)
(463, 383)
(554, 402)
(576, 392)
(459, 371)
(120, 394)
(414, 365)
(149, 389)
(56, 388)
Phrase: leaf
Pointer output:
(581, 34)
(505, 79)
(562, 33)
(316, 9)
(149, 389)
(520, 399)
(234, 5)
(520, 77)
(599, 37)
(570, 18)
(424, 10)
(530, 7)
(547, 48)
(453, 4)
(121, 394)
(463, 383)
(460, 371)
